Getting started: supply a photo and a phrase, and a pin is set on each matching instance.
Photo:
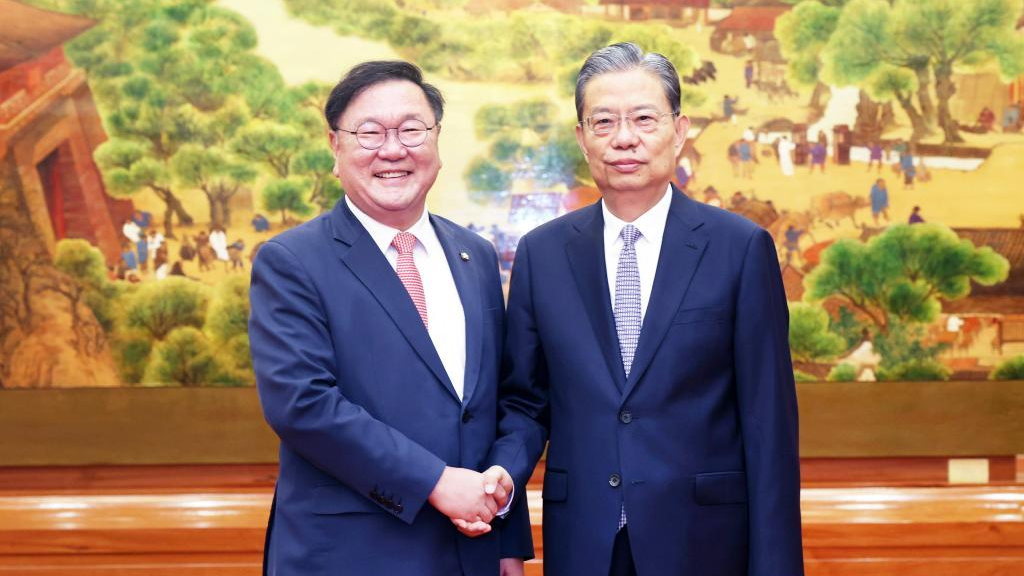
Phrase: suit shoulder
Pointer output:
(299, 238)
(722, 222)
(556, 228)
(463, 234)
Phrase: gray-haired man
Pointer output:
(647, 339)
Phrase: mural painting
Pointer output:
(148, 147)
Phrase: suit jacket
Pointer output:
(351, 383)
(700, 442)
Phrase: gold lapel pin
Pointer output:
(464, 256)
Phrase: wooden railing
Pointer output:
(206, 521)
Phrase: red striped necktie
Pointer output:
(408, 274)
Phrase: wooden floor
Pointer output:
(209, 521)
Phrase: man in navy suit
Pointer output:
(376, 334)
(648, 344)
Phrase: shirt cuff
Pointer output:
(508, 505)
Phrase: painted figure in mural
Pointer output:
(376, 333)
(879, 200)
(1012, 118)
(748, 73)
(648, 349)
(260, 223)
(915, 216)
(729, 108)
(819, 152)
(219, 242)
(785, 152)
(792, 243)
(733, 153)
(986, 119)
(908, 168)
(747, 158)
(875, 152)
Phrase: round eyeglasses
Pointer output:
(603, 124)
(372, 135)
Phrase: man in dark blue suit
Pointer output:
(376, 334)
(648, 343)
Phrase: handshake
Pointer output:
(471, 499)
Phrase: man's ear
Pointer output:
(682, 126)
(579, 141)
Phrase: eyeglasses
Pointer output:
(373, 135)
(645, 122)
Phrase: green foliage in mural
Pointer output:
(809, 336)
(173, 77)
(84, 265)
(517, 47)
(286, 196)
(896, 282)
(842, 373)
(186, 358)
(159, 307)
(1012, 369)
(526, 142)
(901, 274)
(898, 49)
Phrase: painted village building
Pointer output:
(681, 11)
(987, 327)
(49, 128)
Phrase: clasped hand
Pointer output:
(471, 499)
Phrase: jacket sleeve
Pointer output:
(293, 357)
(768, 413)
(523, 391)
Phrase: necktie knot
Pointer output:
(630, 234)
(404, 242)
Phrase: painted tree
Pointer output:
(215, 171)
(315, 164)
(83, 281)
(286, 196)
(803, 33)
(810, 338)
(157, 308)
(928, 39)
(270, 143)
(184, 358)
(902, 275)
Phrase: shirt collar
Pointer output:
(651, 224)
(383, 234)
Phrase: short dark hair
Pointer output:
(368, 74)
(623, 57)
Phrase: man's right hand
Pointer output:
(460, 494)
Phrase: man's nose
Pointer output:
(625, 135)
(392, 149)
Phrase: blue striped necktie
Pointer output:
(627, 297)
(627, 309)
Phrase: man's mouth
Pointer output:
(391, 174)
(625, 166)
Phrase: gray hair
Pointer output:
(623, 57)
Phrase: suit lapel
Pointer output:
(586, 257)
(681, 250)
(371, 267)
(467, 282)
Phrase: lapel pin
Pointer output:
(464, 256)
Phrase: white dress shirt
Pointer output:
(651, 225)
(445, 317)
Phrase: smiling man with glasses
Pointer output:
(376, 334)
(647, 347)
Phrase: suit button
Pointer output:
(466, 417)
(614, 480)
(625, 416)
